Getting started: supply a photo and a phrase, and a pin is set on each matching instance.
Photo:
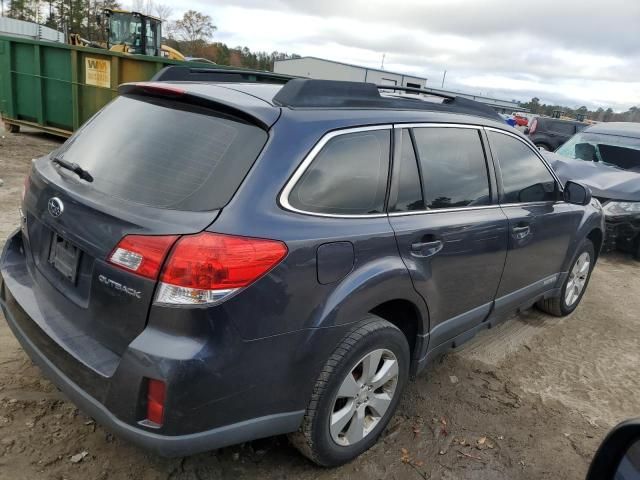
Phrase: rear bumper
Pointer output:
(209, 402)
(161, 444)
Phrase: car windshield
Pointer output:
(618, 151)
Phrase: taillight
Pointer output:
(142, 254)
(533, 126)
(156, 394)
(25, 187)
(208, 267)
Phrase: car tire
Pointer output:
(543, 146)
(368, 350)
(574, 285)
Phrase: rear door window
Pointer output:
(524, 177)
(563, 128)
(163, 154)
(408, 190)
(348, 176)
(453, 167)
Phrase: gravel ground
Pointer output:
(530, 399)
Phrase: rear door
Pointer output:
(541, 224)
(158, 168)
(560, 132)
(451, 233)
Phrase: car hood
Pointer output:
(604, 181)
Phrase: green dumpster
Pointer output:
(56, 87)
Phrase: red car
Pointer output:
(521, 121)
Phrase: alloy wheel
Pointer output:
(364, 397)
(577, 279)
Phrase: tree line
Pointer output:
(191, 35)
(598, 115)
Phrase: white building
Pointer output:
(318, 68)
(19, 28)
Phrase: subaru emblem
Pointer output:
(55, 206)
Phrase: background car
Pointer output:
(606, 158)
(550, 133)
(521, 121)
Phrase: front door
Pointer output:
(451, 232)
(541, 224)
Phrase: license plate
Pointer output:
(64, 257)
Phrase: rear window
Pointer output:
(164, 154)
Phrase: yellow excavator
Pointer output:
(128, 32)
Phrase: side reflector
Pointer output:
(156, 394)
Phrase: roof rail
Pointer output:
(306, 93)
(179, 73)
(415, 90)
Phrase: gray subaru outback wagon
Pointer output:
(206, 263)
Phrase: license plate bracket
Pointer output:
(64, 257)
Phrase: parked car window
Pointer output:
(615, 150)
(408, 184)
(139, 164)
(454, 168)
(524, 177)
(348, 177)
(562, 128)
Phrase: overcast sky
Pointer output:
(562, 51)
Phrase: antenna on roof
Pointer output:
(382, 65)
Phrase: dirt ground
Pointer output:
(531, 399)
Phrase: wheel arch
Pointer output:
(405, 316)
(597, 238)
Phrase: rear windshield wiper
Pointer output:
(75, 168)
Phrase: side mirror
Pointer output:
(526, 131)
(577, 193)
(618, 457)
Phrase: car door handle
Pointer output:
(426, 249)
(521, 232)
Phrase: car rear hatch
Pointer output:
(161, 168)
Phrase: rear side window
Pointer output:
(562, 128)
(524, 176)
(405, 170)
(454, 168)
(348, 176)
(158, 153)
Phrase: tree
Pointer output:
(195, 29)
(162, 11)
(21, 10)
(607, 115)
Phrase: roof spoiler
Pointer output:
(175, 92)
(214, 74)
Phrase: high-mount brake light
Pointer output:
(157, 88)
(142, 254)
(207, 268)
